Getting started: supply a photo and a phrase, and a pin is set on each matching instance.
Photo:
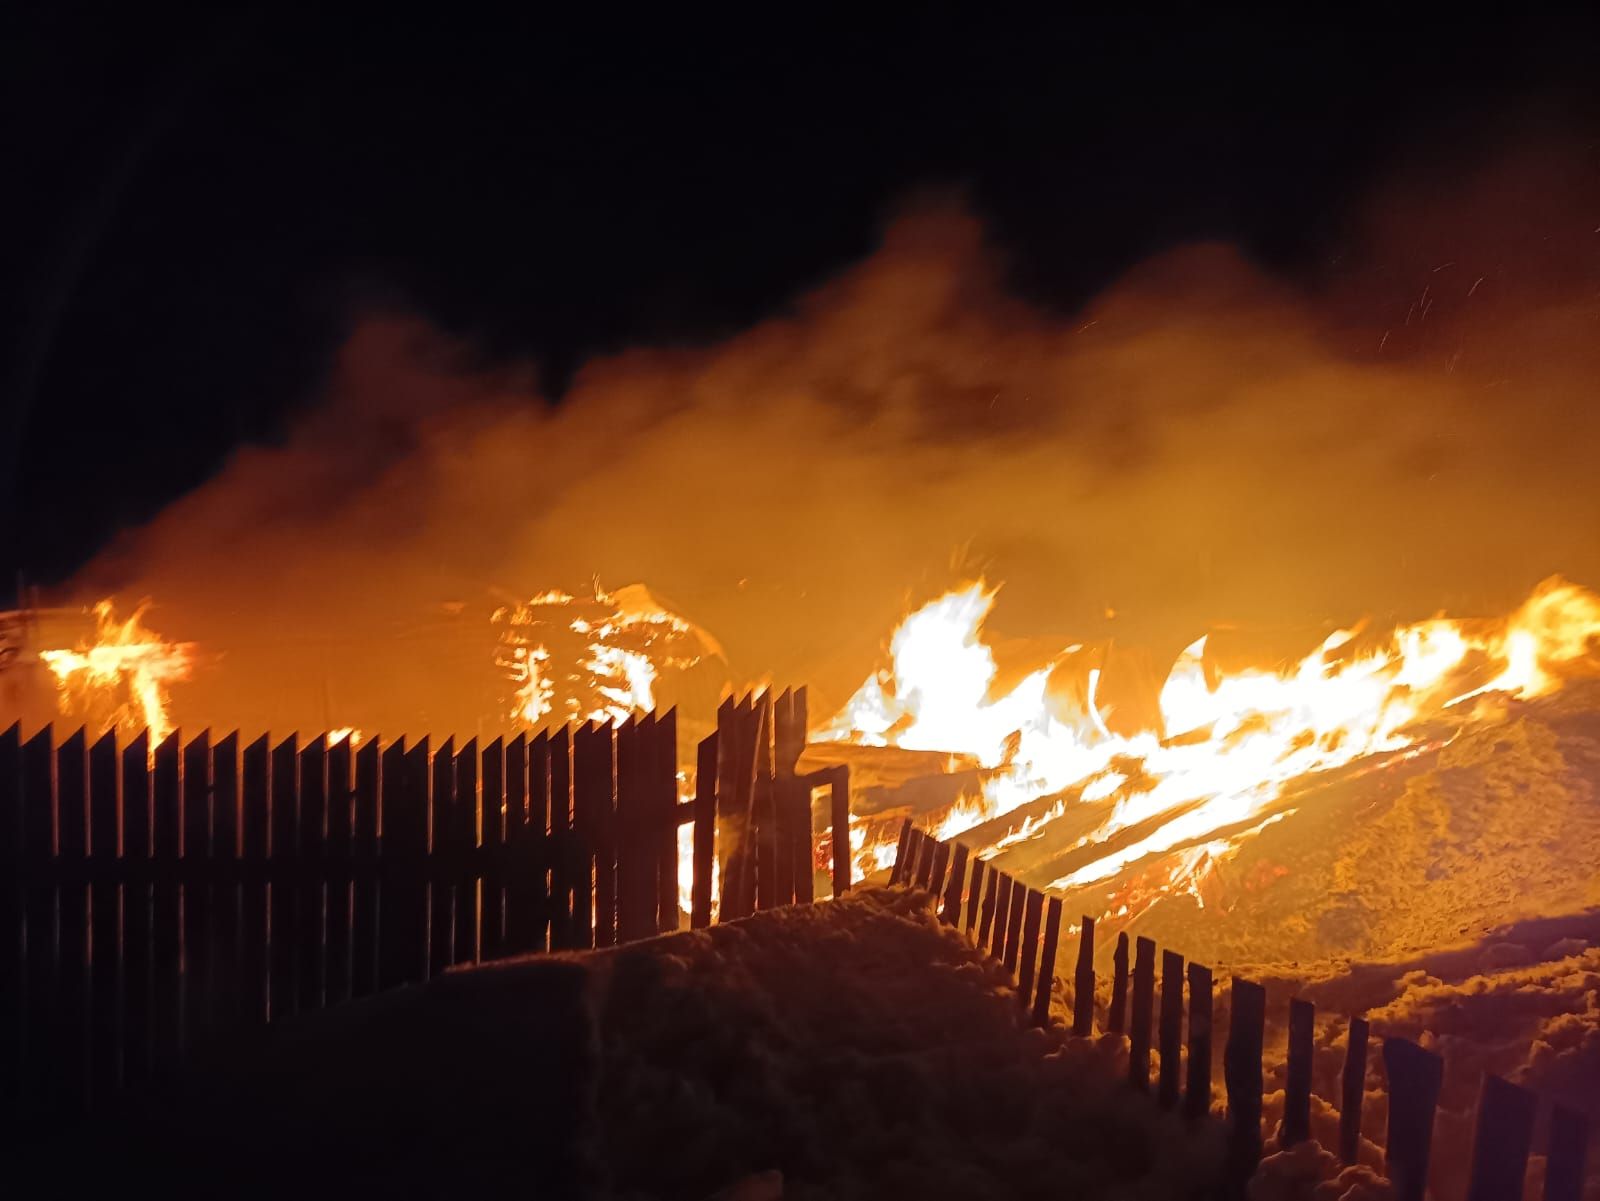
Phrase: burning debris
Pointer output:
(116, 677)
(596, 659)
(1075, 802)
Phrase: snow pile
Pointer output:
(861, 1050)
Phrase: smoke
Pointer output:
(1203, 445)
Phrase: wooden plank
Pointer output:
(1047, 963)
(705, 831)
(781, 809)
(1353, 1091)
(839, 810)
(927, 848)
(282, 962)
(897, 871)
(991, 900)
(1116, 1017)
(1028, 957)
(226, 891)
(1170, 1043)
(166, 959)
(634, 888)
(311, 888)
(562, 884)
(980, 870)
(72, 918)
(1501, 1142)
(338, 881)
(535, 856)
(402, 847)
(591, 795)
(105, 916)
(1296, 1124)
(762, 809)
(1564, 1164)
(1002, 914)
(441, 838)
(463, 855)
(1197, 1088)
(805, 889)
(666, 821)
(516, 920)
(939, 869)
(255, 843)
(1144, 985)
(138, 997)
(1415, 1076)
(491, 841)
(41, 1029)
(955, 888)
(1083, 981)
(195, 891)
(1241, 1073)
(1014, 915)
(12, 942)
(365, 902)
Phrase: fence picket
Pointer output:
(1353, 1090)
(1296, 1126)
(1170, 1044)
(1197, 1087)
(1083, 981)
(255, 840)
(105, 916)
(1415, 1077)
(1501, 1141)
(1143, 1011)
(1241, 1071)
(1028, 958)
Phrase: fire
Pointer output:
(1227, 744)
(613, 646)
(126, 666)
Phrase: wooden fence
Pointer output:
(155, 899)
(1004, 917)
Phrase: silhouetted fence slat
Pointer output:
(1415, 1077)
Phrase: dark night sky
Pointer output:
(199, 210)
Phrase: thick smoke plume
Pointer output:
(1204, 445)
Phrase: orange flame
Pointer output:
(1230, 742)
(125, 657)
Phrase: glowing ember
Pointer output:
(126, 668)
(1227, 743)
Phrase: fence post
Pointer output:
(1197, 1089)
(1564, 1166)
(1353, 1092)
(12, 1103)
(1028, 962)
(71, 1075)
(1144, 985)
(1241, 1071)
(1501, 1140)
(1047, 963)
(1171, 1042)
(1415, 1076)
(1115, 1022)
(1296, 1125)
(951, 914)
(1083, 982)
